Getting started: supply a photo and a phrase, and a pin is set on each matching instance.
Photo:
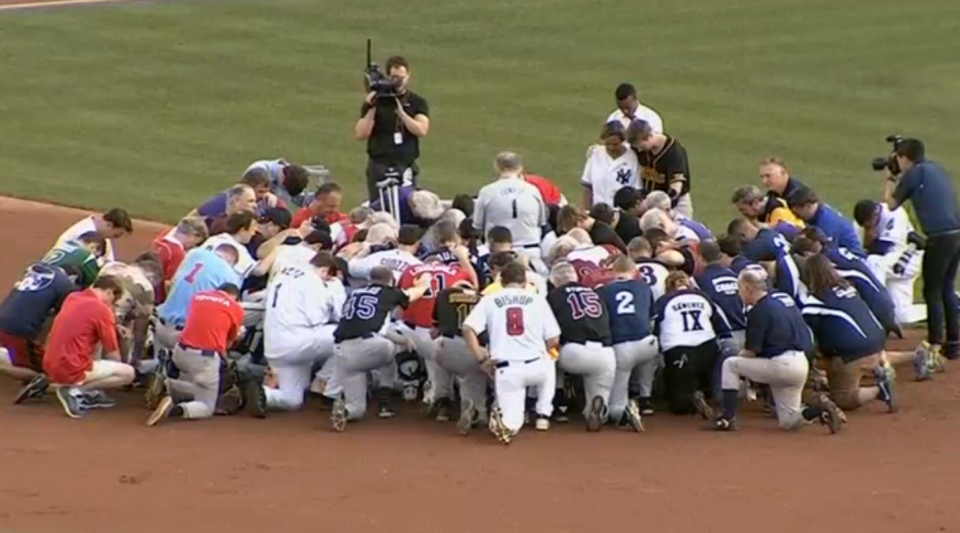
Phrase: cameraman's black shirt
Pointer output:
(381, 146)
(657, 170)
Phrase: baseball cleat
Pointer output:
(256, 399)
(646, 406)
(161, 412)
(832, 416)
(722, 424)
(497, 427)
(442, 408)
(338, 415)
(70, 400)
(561, 415)
(468, 415)
(597, 413)
(229, 402)
(156, 389)
(543, 423)
(97, 399)
(34, 389)
(632, 414)
(702, 407)
(886, 382)
(921, 362)
(384, 411)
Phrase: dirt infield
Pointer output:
(30, 4)
(109, 473)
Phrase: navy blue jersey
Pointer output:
(630, 303)
(775, 326)
(37, 296)
(786, 278)
(855, 270)
(767, 246)
(720, 285)
(843, 325)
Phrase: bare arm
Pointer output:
(364, 126)
(418, 125)
(417, 291)
(586, 197)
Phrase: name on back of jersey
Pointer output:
(688, 306)
(726, 285)
(513, 299)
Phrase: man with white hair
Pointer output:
(513, 203)
(429, 241)
(585, 341)
(688, 228)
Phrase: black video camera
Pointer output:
(890, 161)
(385, 87)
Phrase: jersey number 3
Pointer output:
(515, 321)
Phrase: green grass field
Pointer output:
(155, 107)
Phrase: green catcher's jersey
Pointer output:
(72, 256)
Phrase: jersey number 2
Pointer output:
(625, 303)
(515, 321)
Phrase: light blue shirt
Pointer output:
(201, 270)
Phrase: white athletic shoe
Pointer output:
(543, 423)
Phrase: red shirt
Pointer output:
(306, 214)
(213, 321)
(420, 312)
(551, 193)
(171, 254)
(83, 322)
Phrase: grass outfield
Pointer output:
(154, 107)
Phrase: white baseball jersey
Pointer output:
(517, 322)
(605, 175)
(686, 234)
(396, 260)
(86, 225)
(245, 261)
(684, 318)
(643, 113)
(514, 204)
(273, 167)
(894, 226)
(298, 301)
(589, 253)
(655, 274)
(292, 254)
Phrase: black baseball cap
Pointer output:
(278, 215)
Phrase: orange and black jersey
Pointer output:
(659, 170)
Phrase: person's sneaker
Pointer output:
(597, 414)
(646, 406)
(229, 402)
(256, 399)
(326, 403)
(156, 388)
(922, 367)
(543, 423)
(498, 428)
(161, 412)
(722, 424)
(831, 416)
(633, 417)
(34, 389)
(701, 406)
(951, 350)
(383, 411)
(886, 382)
(97, 399)
(468, 417)
(561, 414)
(338, 415)
(938, 363)
(70, 400)
(442, 408)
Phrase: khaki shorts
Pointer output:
(845, 379)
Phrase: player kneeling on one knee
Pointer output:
(521, 327)
(689, 327)
(848, 335)
(86, 320)
(585, 345)
(365, 343)
(214, 322)
(773, 353)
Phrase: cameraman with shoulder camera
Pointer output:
(393, 119)
(910, 177)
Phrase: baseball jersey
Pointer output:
(453, 307)
(514, 204)
(536, 284)
(835, 226)
(213, 322)
(654, 273)
(739, 263)
(855, 270)
(605, 175)
(298, 301)
(658, 170)
(720, 285)
(420, 312)
(643, 113)
(581, 314)
(590, 274)
(517, 322)
(786, 278)
(171, 254)
(83, 322)
(893, 229)
(692, 229)
(86, 225)
(589, 253)
(201, 270)
(366, 310)
(292, 255)
(138, 295)
(396, 260)
(687, 318)
(275, 169)
(775, 326)
(73, 256)
(777, 214)
(843, 325)
(245, 261)
(630, 305)
(35, 297)
(551, 194)
(768, 245)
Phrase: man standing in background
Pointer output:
(629, 109)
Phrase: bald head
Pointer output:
(508, 163)
(752, 284)
(562, 274)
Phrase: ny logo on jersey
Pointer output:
(623, 176)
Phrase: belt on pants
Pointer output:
(165, 323)
(527, 246)
(205, 353)
(505, 364)
(358, 337)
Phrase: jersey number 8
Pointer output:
(515, 327)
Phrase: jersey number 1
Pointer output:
(192, 276)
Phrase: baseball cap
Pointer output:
(278, 215)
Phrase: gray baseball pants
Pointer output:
(596, 363)
(630, 355)
(198, 386)
(454, 357)
(353, 360)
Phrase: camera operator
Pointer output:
(910, 177)
(392, 128)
